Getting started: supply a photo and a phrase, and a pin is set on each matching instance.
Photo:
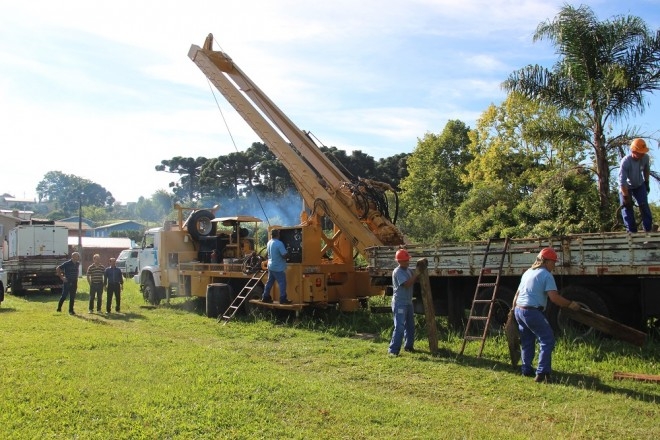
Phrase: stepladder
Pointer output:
(242, 296)
(485, 294)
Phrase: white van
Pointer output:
(128, 260)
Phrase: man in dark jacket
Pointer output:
(113, 281)
(68, 273)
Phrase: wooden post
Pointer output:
(429, 309)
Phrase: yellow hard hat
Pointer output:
(639, 146)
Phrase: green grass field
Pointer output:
(171, 373)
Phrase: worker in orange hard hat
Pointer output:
(537, 285)
(403, 280)
(634, 172)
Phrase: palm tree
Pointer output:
(604, 71)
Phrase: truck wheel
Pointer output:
(17, 286)
(501, 306)
(588, 300)
(150, 293)
(199, 224)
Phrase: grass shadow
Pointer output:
(7, 309)
(105, 318)
(581, 381)
(44, 297)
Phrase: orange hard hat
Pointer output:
(548, 254)
(402, 255)
(639, 146)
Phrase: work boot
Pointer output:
(543, 378)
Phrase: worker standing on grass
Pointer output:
(536, 286)
(113, 280)
(68, 273)
(634, 183)
(95, 280)
(403, 280)
(276, 268)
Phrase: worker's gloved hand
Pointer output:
(574, 306)
(648, 186)
(627, 201)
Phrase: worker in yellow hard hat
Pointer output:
(634, 184)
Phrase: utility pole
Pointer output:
(80, 248)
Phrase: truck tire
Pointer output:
(218, 299)
(588, 300)
(501, 306)
(199, 224)
(17, 286)
(150, 293)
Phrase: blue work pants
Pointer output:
(280, 277)
(533, 325)
(404, 327)
(628, 212)
(69, 289)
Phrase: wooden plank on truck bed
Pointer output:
(607, 326)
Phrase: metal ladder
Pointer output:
(242, 295)
(484, 273)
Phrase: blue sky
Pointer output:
(105, 90)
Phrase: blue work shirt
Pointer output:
(631, 171)
(402, 295)
(276, 253)
(534, 287)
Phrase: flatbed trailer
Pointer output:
(613, 274)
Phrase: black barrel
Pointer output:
(218, 299)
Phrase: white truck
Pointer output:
(32, 251)
(128, 261)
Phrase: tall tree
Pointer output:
(434, 186)
(272, 176)
(521, 183)
(188, 169)
(393, 169)
(604, 71)
(228, 176)
(68, 191)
